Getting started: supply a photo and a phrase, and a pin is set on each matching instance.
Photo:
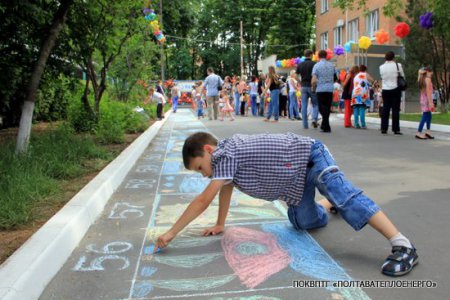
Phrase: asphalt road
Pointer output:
(260, 255)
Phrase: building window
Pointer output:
(337, 36)
(353, 30)
(323, 6)
(372, 23)
(324, 41)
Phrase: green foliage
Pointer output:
(24, 24)
(54, 96)
(79, 118)
(24, 180)
(116, 119)
(442, 118)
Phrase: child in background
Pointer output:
(336, 97)
(198, 99)
(426, 102)
(285, 167)
(225, 107)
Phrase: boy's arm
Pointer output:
(224, 205)
(195, 208)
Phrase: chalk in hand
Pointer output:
(151, 249)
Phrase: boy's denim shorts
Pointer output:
(323, 174)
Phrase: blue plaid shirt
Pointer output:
(264, 166)
(324, 71)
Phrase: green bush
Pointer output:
(78, 117)
(27, 179)
(111, 125)
(53, 97)
(136, 122)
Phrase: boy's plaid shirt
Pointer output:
(264, 166)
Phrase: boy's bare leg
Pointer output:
(327, 205)
(378, 221)
(383, 225)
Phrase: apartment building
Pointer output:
(336, 27)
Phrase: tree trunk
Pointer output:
(26, 118)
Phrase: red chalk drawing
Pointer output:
(254, 256)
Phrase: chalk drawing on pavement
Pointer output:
(253, 255)
(121, 209)
(188, 261)
(197, 284)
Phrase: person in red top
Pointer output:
(347, 87)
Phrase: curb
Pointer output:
(407, 124)
(26, 273)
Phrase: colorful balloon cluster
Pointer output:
(154, 24)
(426, 20)
(402, 30)
(289, 63)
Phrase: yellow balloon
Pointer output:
(365, 42)
(268, 99)
(298, 94)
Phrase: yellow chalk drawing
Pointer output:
(169, 214)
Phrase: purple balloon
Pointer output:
(339, 50)
(426, 20)
(146, 11)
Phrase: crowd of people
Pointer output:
(313, 88)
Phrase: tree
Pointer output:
(98, 33)
(293, 26)
(23, 136)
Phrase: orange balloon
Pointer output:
(381, 36)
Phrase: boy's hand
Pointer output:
(163, 241)
(213, 230)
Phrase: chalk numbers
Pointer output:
(121, 209)
(110, 252)
(140, 183)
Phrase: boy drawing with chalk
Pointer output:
(285, 167)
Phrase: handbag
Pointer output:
(219, 86)
(401, 81)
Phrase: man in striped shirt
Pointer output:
(285, 167)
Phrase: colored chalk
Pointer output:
(150, 249)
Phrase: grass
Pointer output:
(443, 119)
(54, 156)
(439, 118)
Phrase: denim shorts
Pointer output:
(323, 174)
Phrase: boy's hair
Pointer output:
(193, 146)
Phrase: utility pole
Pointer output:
(163, 58)
(242, 52)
